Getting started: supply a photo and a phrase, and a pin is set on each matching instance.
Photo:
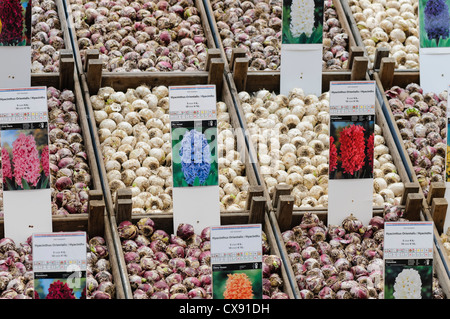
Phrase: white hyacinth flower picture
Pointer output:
(408, 285)
(302, 22)
(408, 282)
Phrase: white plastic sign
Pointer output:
(59, 265)
(25, 162)
(236, 260)
(408, 260)
(352, 121)
(193, 117)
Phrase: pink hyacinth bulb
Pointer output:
(26, 160)
(6, 165)
(45, 160)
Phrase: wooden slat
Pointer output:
(284, 211)
(380, 53)
(437, 190)
(94, 74)
(240, 70)
(96, 218)
(438, 213)
(257, 210)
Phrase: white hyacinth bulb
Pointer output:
(408, 285)
(302, 17)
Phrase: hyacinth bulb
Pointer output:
(11, 16)
(437, 19)
(238, 286)
(195, 157)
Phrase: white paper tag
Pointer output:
(59, 261)
(352, 123)
(408, 260)
(236, 257)
(193, 116)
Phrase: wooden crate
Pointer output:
(91, 83)
(255, 84)
(380, 52)
(67, 50)
(285, 218)
(434, 204)
(82, 65)
(237, 54)
(95, 222)
(165, 222)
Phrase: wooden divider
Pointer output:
(434, 205)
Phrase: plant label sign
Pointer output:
(408, 260)
(236, 261)
(352, 124)
(15, 43)
(193, 118)
(301, 46)
(59, 265)
(434, 49)
(25, 162)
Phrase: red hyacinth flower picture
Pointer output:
(351, 153)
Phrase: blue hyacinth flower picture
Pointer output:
(434, 18)
(194, 161)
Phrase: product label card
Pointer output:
(236, 260)
(25, 161)
(352, 126)
(193, 117)
(59, 265)
(408, 260)
(195, 169)
(301, 46)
